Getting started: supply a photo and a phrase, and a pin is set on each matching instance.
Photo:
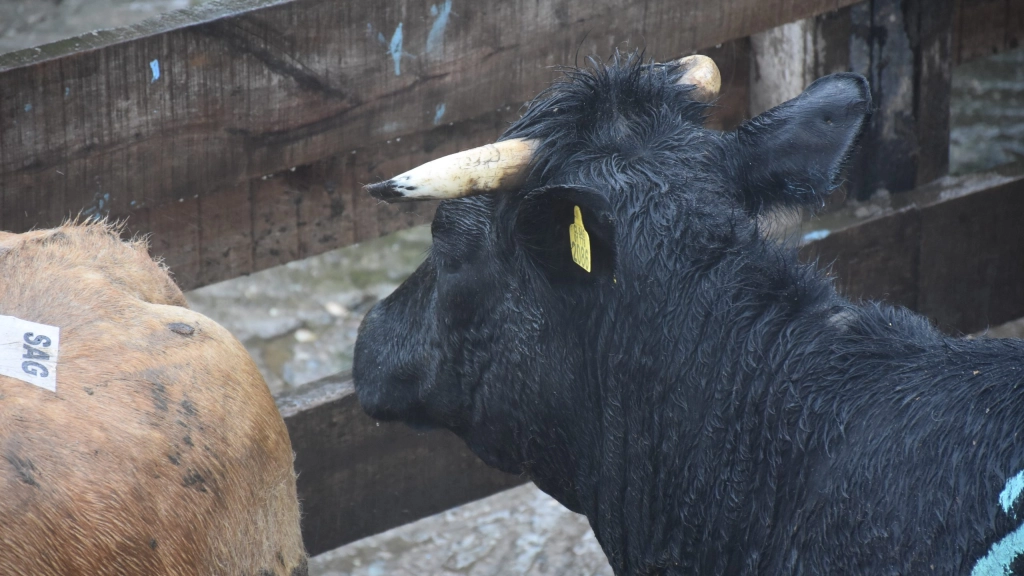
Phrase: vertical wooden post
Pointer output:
(785, 59)
(904, 47)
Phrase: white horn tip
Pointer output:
(703, 74)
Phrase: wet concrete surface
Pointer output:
(520, 531)
(299, 321)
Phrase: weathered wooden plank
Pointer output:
(275, 227)
(932, 37)
(788, 58)
(302, 212)
(904, 48)
(195, 106)
(986, 27)
(951, 251)
(981, 28)
(175, 238)
(358, 477)
(1014, 24)
(971, 250)
(225, 235)
(317, 207)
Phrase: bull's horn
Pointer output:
(703, 74)
(489, 168)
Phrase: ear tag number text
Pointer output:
(579, 241)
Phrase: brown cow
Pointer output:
(161, 451)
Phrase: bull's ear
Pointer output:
(565, 230)
(796, 153)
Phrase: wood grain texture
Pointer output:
(122, 122)
(986, 27)
(904, 48)
(971, 274)
(931, 34)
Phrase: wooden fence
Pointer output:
(238, 135)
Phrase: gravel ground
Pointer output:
(299, 321)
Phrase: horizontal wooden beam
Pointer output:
(986, 27)
(358, 477)
(233, 162)
(950, 250)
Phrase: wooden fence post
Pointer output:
(904, 47)
(785, 59)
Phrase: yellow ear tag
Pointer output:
(579, 241)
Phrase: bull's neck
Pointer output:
(687, 398)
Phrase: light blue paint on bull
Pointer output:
(435, 39)
(816, 235)
(67, 91)
(438, 113)
(1010, 494)
(999, 559)
(1002, 554)
(395, 49)
(154, 66)
(28, 107)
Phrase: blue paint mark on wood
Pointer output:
(154, 66)
(1009, 495)
(815, 235)
(435, 39)
(28, 107)
(395, 49)
(439, 113)
(96, 210)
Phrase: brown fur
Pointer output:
(161, 452)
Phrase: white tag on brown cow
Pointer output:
(28, 351)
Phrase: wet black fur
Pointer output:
(712, 405)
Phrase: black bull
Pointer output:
(710, 404)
